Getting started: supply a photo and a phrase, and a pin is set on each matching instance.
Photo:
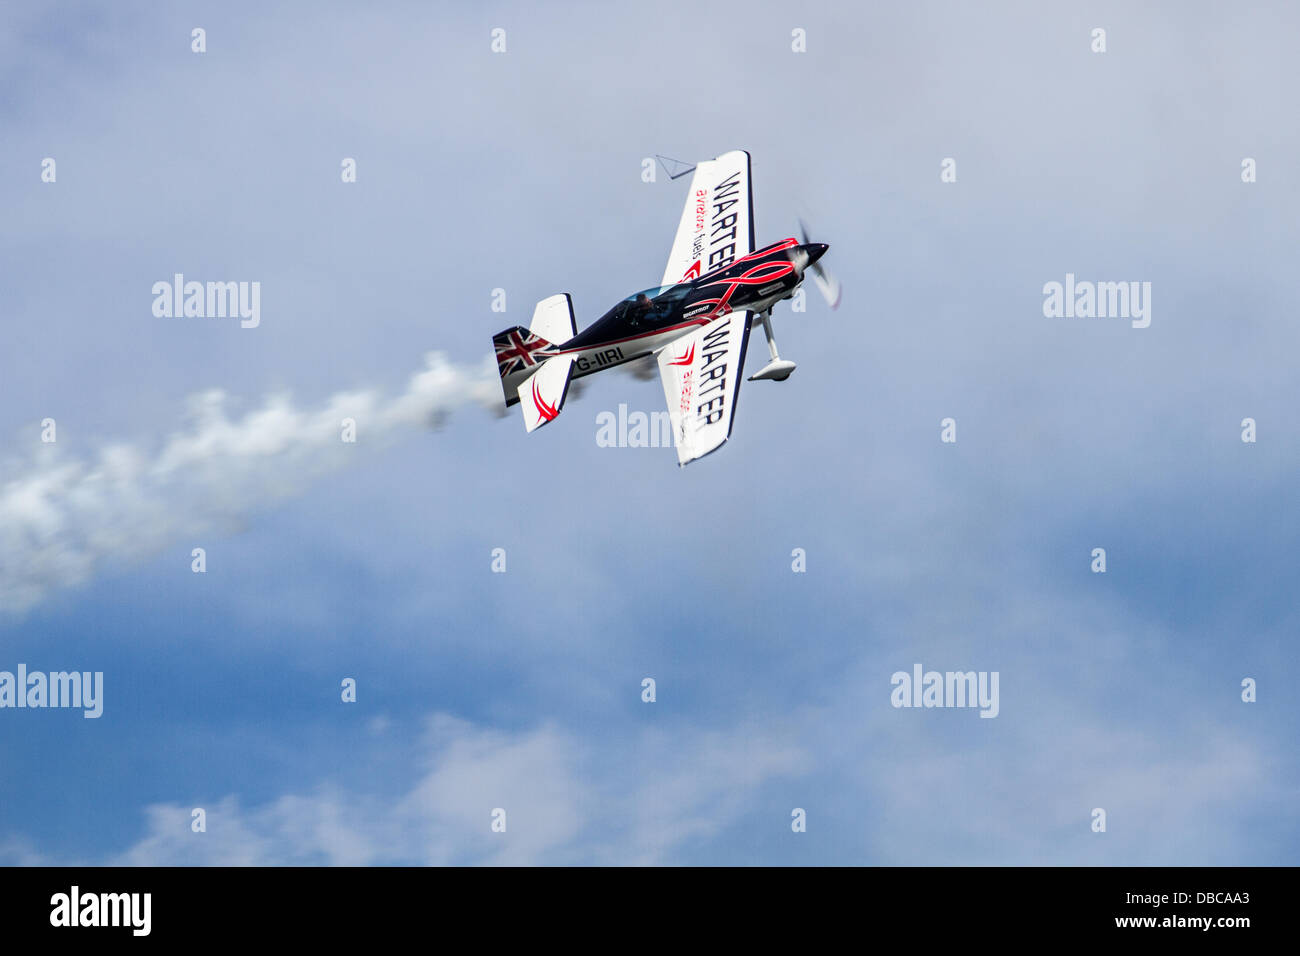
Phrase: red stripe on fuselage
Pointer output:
(704, 319)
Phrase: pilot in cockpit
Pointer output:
(641, 307)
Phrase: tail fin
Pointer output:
(541, 395)
(519, 354)
(521, 351)
(553, 318)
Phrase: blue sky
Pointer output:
(522, 690)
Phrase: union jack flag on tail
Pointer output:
(519, 353)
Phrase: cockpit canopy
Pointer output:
(649, 306)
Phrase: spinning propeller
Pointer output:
(826, 283)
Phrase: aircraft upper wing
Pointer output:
(718, 222)
(701, 373)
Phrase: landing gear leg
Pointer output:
(778, 370)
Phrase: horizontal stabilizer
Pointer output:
(541, 395)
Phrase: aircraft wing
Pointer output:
(718, 222)
(701, 373)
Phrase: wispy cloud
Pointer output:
(564, 802)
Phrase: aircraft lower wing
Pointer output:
(717, 224)
(701, 373)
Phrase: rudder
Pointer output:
(519, 354)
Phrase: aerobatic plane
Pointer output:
(716, 287)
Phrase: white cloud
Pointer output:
(564, 803)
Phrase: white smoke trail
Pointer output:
(60, 520)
